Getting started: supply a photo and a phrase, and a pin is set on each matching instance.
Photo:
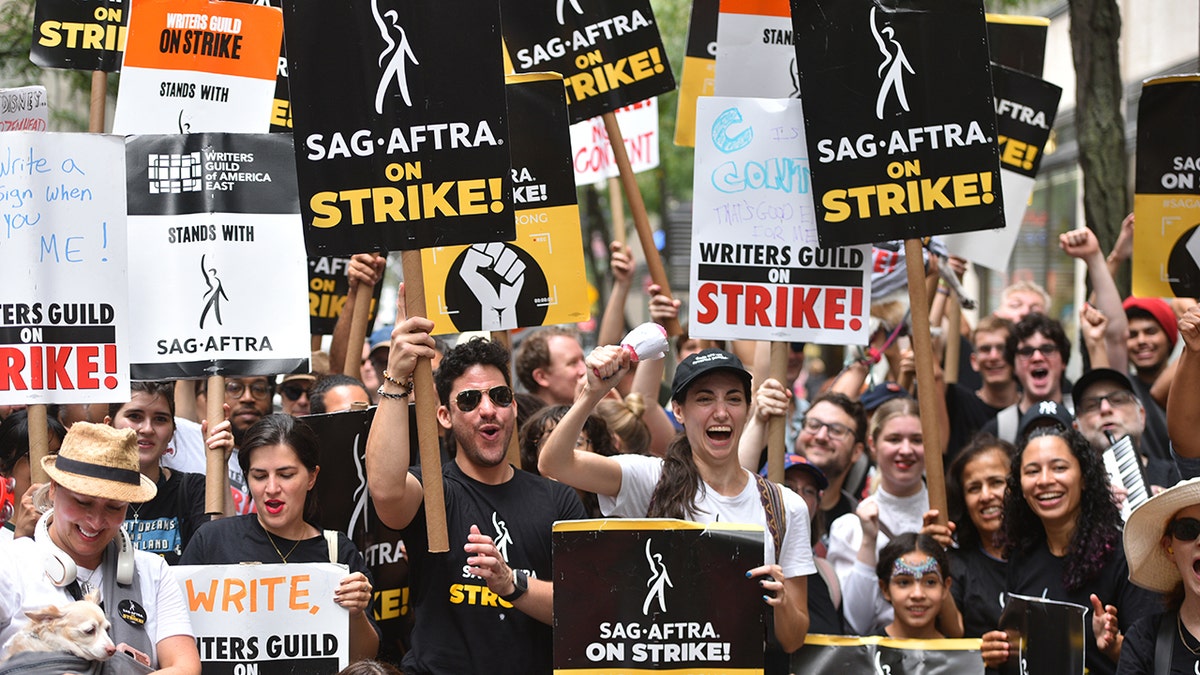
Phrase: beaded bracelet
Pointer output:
(389, 395)
(388, 376)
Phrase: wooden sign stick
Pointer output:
(922, 343)
(640, 220)
(427, 405)
(39, 443)
(617, 207)
(358, 330)
(777, 427)
(99, 97)
(216, 482)
(953, 338)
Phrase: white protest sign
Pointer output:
(219, 284)
(756, 270)
(63, 317)
(267, 619)
(755, 56)
(197, 65)
(24, 109)
(592, 152)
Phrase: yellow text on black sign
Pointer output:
(601, 77)
(107, 34)
(412, 201)
(908, 196)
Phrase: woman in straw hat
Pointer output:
(1063, 542)
(1162, 545)
(79, 546)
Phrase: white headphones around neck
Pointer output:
(61, 569)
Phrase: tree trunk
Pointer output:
(1100, 123)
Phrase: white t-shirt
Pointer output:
(24, 587)
(862, 602)
(185, 452)
(639, 475)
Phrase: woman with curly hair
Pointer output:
(1063, 542)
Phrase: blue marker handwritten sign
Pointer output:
(63, 252)
(756, 271)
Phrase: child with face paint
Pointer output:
(914, 577)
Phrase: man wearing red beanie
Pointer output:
(1153, 331)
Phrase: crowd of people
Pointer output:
(851, 544)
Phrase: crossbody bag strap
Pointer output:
(771, 496)
(1164, 643)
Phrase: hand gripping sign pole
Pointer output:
(426, 402)
(216, 483)
(640, 220)
(918, 302)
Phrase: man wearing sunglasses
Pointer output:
(294, 393)
(1038, 351)
(487, 605)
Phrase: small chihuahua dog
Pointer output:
(79, 628)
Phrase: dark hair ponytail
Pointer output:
(675, 494)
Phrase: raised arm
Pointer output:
(1082, 244)
(612, 322)
(581, 469)
(1183, 405)
(397, 493)
(771, 400)
(649, 376)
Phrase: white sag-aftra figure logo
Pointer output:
(396, 53)
(574, 5)
(657, 583)
(891, 69)
(503, 537)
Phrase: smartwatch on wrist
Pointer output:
(520, 586)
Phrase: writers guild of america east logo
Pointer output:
(891, 68)
(393, 58)
(657, 582)
(174, 174)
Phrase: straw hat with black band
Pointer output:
(1149, 565)
(99, 461)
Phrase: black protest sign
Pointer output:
(835, 655)
(1166, 251)
(79, 35)
(699, 66)
(1025, 110)
(328, 288)
(345, 507)
(899, 115)
(1018, 42)
(676, 597)
(609, 53)
(281, 109)
(215, 227)
(1049, 635)
(398, 111)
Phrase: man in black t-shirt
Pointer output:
(969, 410)
(487, 604)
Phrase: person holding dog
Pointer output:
(79, 547)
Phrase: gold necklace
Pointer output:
(277, 552)
(1179, 623)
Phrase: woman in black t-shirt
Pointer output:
(279, 456)
(1162, 545)
(1063, 542)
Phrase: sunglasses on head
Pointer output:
(468, 399)
(1184, 529)
(292, 392)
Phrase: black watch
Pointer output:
(520, 586)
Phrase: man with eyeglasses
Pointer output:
(1038, 351)
(832, 437)
(294, 391)
(249, 400)
(487, 605)
(1107, 403)
(968, 410)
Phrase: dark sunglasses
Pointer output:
(292, 392)
(1184, 529)
(1046, 350)
(468, 399)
